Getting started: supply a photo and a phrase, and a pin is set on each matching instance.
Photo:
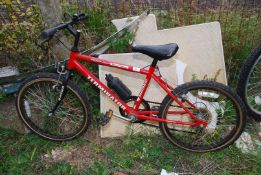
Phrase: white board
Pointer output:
(200, 55)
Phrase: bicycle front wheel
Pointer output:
(249, 84)
(213, 102)
(38, 96)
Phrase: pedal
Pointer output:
(105, 118)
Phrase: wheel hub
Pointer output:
(203, 114)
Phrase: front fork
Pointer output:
(63, 91)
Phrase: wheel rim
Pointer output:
(253, 87)
(38, 100)
(219, 112)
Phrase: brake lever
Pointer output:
(77, 18)
(82, 16)
(43, 42)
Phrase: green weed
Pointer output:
(140, 154)
(122, 44)
(4, 97)
(21, 154)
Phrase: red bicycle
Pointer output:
(198, 116)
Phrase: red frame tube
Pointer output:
(73, 63)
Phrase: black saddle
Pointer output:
(158, 52)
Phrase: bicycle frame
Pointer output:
(73, 63)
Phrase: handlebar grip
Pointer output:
(48, 33)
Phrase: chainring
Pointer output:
(144, 104)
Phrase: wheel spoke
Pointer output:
(67, 120)
(220, 111)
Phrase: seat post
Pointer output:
(154, 62)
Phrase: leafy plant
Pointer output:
(18, 34)
(122, 44)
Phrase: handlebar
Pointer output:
(48, 34)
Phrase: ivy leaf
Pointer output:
(8, 2)
(14, 17)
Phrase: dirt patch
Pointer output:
(9, 117)
(80, 155)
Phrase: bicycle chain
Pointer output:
(152, 102)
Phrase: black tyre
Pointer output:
(38, 96)
(249, 84)
(214, 102)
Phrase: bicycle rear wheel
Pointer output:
(212, 102)
(249, 84)
(38, 96)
